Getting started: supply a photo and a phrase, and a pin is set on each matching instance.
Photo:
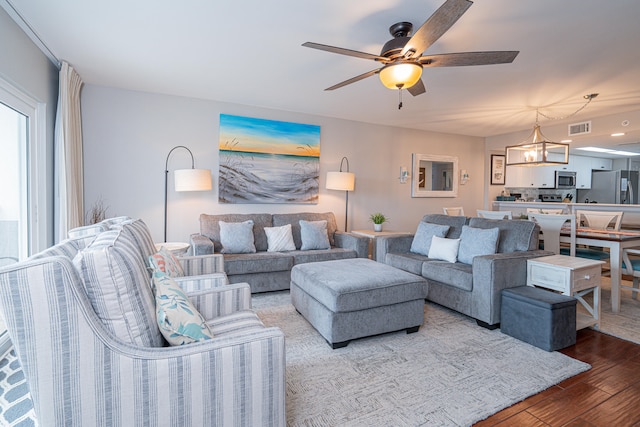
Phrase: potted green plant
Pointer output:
(378, 219)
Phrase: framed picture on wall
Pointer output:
(498, 169)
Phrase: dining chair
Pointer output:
(455, 211)
(600, 220)
(494, 214)
(550, 225)
(631, 266)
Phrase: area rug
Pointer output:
(626, 323)
(16, 408)
(450, 373)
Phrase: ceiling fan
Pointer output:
(403, 57)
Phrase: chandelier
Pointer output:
(537, 149)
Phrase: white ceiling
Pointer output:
(249, 52)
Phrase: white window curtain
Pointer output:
(69, 177)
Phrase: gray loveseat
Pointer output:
(473, 289)
(271, 271)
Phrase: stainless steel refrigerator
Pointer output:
(615, 187)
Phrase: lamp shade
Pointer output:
(192, 179)
(400, 75)
(341, 181)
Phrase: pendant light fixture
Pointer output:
(537, 150)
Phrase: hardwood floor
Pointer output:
(606, 395)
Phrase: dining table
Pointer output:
(616, 241)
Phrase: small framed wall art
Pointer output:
(497, 169)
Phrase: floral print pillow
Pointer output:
(166, 262)
(179, 321)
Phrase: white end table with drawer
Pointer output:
(571, 276)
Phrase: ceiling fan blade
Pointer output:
(417, 89)
(469, 58)
(354, 79)
(343, 51)
(434, 27)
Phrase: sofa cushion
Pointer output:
(117, 282)
(179, 321)
(260, 262)
(280, 239)
(210, 227)
(458, 275)
(302, 257)
(406, 261)
(444, 249)
(237, 237)
(139, 233)
(455, 223)
(515, 235)
(294, 220)
(476, 242)
(314, 235)
(425, 232)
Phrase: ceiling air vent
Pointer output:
(580, 128)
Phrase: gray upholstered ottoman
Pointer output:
(539, 317)
(355, 298)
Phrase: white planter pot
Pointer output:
(377, 227)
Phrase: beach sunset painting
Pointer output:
(268, 161)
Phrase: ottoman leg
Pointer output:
(413, 330)
(339, 344)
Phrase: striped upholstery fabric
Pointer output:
(67, 248)
(80, 374)
(117, 283)
(138, 231)
(87, 230)
(222, 300)
(203, 264)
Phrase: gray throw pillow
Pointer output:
(237, 237)
(476, 242)
(314, 235)
(422, 239)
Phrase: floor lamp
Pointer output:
(343, 180)
(185, 180)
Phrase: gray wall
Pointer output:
(128, 134)
(24, 66)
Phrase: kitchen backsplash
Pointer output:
(533, 194)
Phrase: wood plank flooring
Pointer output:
(606, 395)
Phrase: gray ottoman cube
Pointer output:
(355, 298)
(539, 317)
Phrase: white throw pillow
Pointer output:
(280, 239)
(444, 249)
(237, 237)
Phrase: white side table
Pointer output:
(571, 276)
(176, 248)
(373, 235)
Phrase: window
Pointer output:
(22, 173)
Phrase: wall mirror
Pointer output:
(434, 176)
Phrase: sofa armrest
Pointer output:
(492, 274)
(392, 244)
(201, 245)
(202, 264)
(360, 244)
(221, 301)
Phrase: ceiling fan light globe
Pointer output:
(400, 75)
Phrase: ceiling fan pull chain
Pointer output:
(400, 97)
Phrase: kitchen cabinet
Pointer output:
(530, 177)
(583, 166)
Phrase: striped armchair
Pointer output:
(85, 367)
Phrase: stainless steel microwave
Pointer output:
(565, 179)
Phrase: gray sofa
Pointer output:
(472, 289)
(271, 271)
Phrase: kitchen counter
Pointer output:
(630, 219)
